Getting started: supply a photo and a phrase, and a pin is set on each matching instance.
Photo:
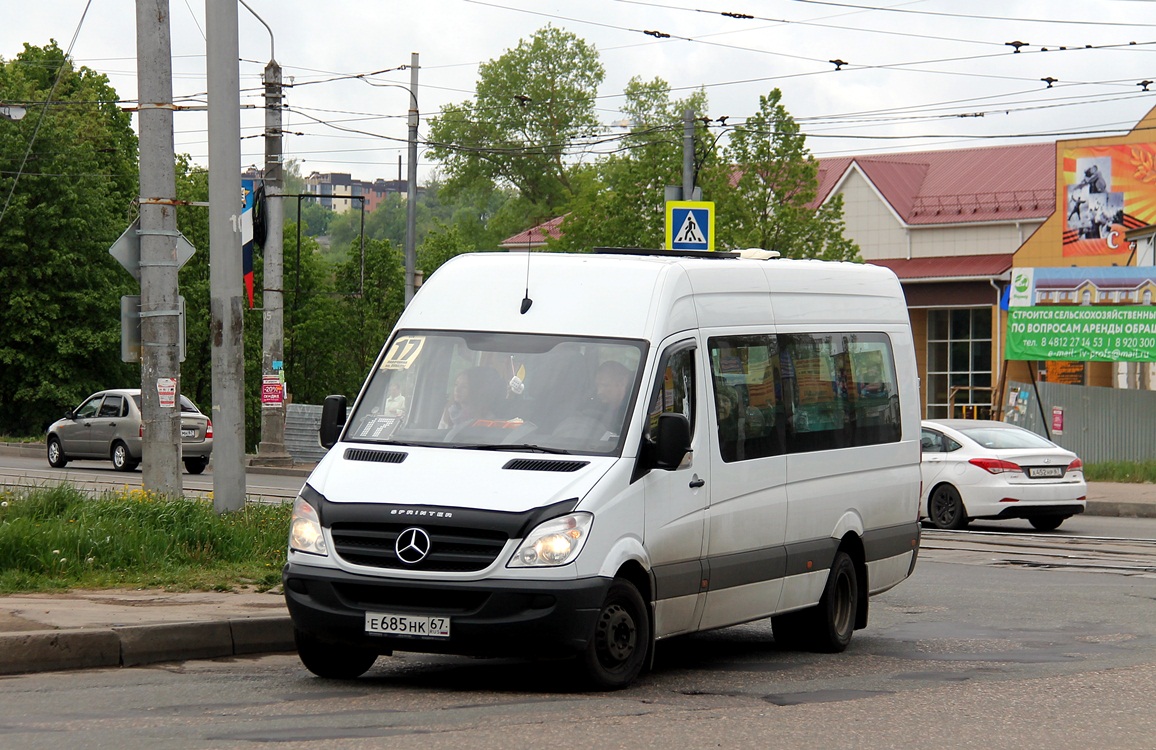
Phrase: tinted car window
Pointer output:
(111, 406)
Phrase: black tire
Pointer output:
(196, 465)
(56, 457)
(1047, 523)
(945, 508)
(791, 630)
(836, 614)
(122, 460)
(330, 660)
(617, 650)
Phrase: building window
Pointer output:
(959, 363)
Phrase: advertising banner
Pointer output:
(1082, 334)
(1107, 191)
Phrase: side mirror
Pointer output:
(70, 415)
(333, 414)
(672, 441)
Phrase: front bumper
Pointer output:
(488, 618)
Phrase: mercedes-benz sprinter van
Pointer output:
(579, 455)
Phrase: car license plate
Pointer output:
(385, 623)
(188, 433)
(1039, 472)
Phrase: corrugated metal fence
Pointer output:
(1098, 424)
(302, 422)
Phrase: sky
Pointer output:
(860, 76)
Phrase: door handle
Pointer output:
(697, 482)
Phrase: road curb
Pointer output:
(1120, 509)
(133, 645)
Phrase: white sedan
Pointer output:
(987, 469)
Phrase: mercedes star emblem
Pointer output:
(412, 545)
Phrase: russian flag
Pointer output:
(247, 190)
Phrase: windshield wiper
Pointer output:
(527, 447)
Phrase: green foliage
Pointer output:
(60, 321)
(532, 103)
(762, 187)
(440, 245)
(620, 202)
(372, 295)
(60, 538)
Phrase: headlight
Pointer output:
(305, 530)
(555, 542)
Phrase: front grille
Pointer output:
(452, 549)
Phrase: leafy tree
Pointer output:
(763, 188)
(440, 245)
(620, 202)
(373, 296)
(61, 208)
(532, 104)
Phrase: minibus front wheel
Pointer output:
(330, 660)
(616, 653)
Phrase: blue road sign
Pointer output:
(690, 225)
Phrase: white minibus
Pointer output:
(579, 455)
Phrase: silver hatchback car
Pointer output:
(108, 425)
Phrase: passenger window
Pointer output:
(932, 442)
(839, 390)
(88, 409)
(745, 371)
(110, 407)
(674, 391)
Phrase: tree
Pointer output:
(764, 188)
(532, 104)
(620, 201)
(64, 199)
(442, 244)
(373, 296)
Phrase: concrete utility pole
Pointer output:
(411, 184)
(272, 447)
(160, 307)
(227, 322)
(688, 154)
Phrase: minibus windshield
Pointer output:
(500, 391)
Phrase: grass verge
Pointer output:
(1137, 472)
(59, 538)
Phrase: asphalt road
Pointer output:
(18, 470)
(977, 650)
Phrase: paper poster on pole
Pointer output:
(167, 392)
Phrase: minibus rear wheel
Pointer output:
(330, 660)
(827, 627)
(835, 615)
(616, 653)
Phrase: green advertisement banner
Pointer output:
(1082, 334)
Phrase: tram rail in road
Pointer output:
(1100, 554)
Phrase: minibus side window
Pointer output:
(674, 390)
(839, 390)
(745, 371)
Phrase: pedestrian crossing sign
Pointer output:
(690, 225)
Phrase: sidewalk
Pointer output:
(85, 629)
